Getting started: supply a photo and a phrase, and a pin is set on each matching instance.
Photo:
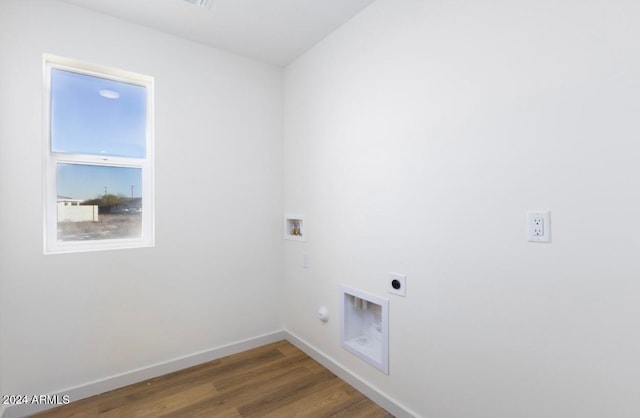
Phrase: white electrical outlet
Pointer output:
(397, 284)
(538, 226)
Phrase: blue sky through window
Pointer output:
(84, 121)
(78, 181)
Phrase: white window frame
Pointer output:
(51, 160)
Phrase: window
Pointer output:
(98, 157)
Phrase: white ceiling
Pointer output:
(274, 31)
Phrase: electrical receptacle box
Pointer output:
(538, 226)
(397, 284)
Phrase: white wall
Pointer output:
(215, 274)
(416, 138)
(412, 144)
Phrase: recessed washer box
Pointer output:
(294, 228)
(364, 326)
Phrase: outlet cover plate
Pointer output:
(397, 284)
(539, 226)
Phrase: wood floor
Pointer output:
(276, 380)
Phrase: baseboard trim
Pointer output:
(117, 381)
(104, 385)
(369, 391)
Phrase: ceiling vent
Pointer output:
(201, 3)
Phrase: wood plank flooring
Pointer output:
(276, 380)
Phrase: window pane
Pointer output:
(93, 115)
(98, 202)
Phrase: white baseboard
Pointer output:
(104, 385)
(369, 391)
